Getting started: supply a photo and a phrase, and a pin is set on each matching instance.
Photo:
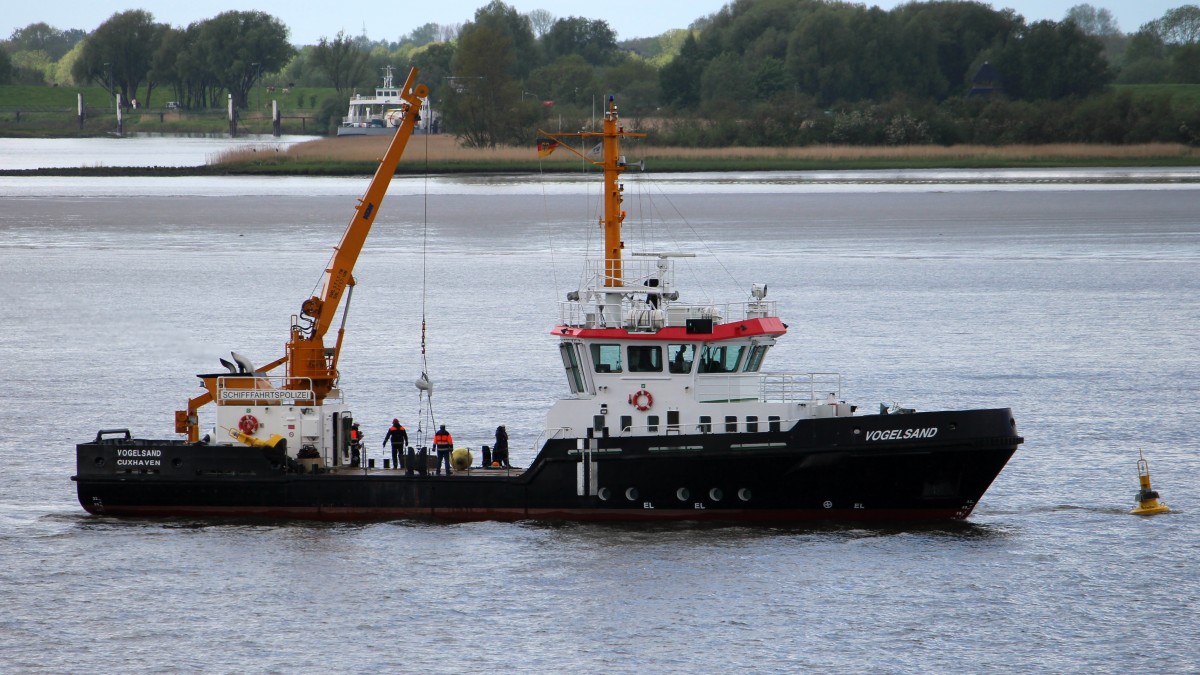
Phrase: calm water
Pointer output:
(1076, 305)
(132, 150)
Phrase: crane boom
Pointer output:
(307, 356)
(310, 365)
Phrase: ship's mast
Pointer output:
(613, 164)
(613, 215)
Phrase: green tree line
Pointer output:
(758, 72)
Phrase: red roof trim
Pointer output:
(726, 331)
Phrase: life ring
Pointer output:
(248, 424)
(641, 399)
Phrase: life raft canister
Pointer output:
(248, 424)
(641, 399)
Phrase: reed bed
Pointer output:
(444, 152)
(434, 148)
(927, 152)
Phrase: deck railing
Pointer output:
(769, 387)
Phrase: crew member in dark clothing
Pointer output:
(443, 442)
(399, 438)
(356, 437)
(653, 297)
(500, 450)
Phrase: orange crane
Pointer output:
(310, 364)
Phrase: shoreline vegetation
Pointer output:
(441, 154)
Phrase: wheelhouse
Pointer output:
(640, 362)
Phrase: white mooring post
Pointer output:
(79, 106)
(232, 118)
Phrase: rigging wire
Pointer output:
(695, 236)
(549, 227)
(424, 395)
(597, 217)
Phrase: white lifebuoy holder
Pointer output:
(641, 399)
(248, 424)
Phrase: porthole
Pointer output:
(715, 494)
(744, 494)
(682, 494)
(177, 462)
(99, 461)
(631, 494)
(604, 494)
(857, 431)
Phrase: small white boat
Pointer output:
(380, 114)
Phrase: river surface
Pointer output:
(134, 150)
(1073, 300)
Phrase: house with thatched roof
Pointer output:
(986, 82)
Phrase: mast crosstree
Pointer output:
(613, 164)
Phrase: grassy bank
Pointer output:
(51, 112)
(440, 154)
(61, 123)
(40, 111)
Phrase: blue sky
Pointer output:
(309, 21)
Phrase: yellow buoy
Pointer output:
(461, 459)
(255, 442)
(1147, 498)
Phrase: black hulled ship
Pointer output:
(672, 415)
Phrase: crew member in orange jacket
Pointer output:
(443, 442)
(356, 437)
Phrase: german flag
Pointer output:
(545, 146)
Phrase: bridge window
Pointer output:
(571, 363)
(607, 358)
(721, 358)
(754, 361)
(645, 359)
(680, 357)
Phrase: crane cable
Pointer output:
(424, 394)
